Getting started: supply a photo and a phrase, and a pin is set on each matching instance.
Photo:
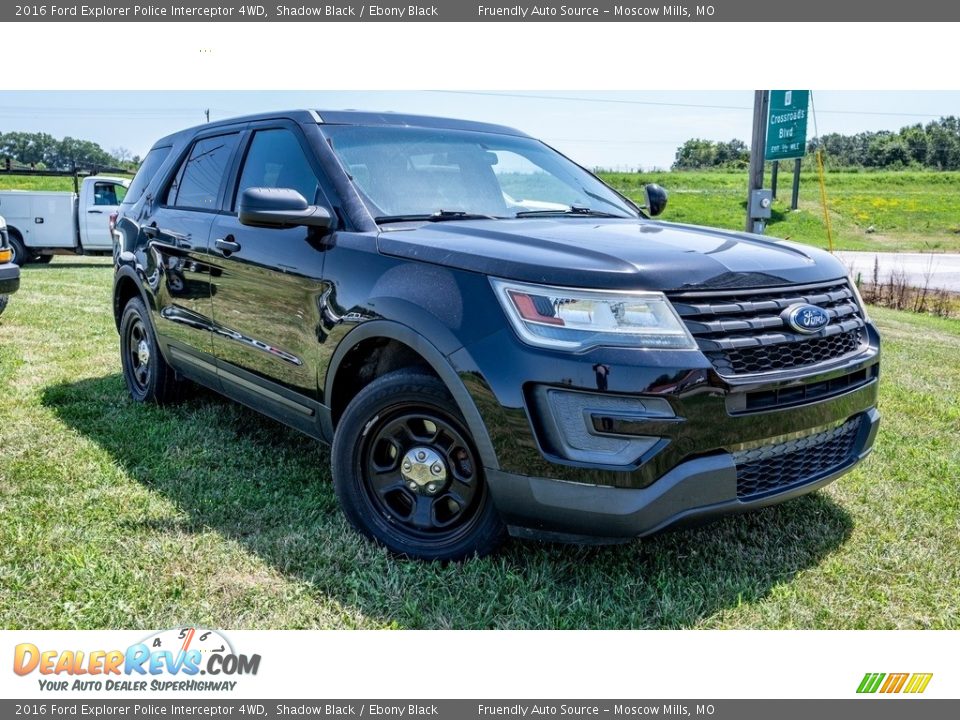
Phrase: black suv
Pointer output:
(9, 271)
(490, 337)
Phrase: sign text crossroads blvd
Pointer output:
(787, 124)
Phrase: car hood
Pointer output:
(611, 254)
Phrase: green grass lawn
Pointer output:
(909, 210)
(120, 515)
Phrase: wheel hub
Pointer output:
(424, 471)
(143, 352)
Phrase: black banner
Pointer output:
(853, 709)
(481, 11)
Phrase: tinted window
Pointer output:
(276, 160)
(148, 168)
(197, 183)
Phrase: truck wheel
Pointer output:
(407, 474)
(20, 255)
(4, 299)
(148, 377)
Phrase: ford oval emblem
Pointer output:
(806, 319)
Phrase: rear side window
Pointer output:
(197, 183)
(148, 168)
(276, 160)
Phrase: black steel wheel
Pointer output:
(407, 474)
(148, 377)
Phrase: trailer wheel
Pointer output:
(20, 256)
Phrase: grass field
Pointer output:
(119, 515)
(909, 211)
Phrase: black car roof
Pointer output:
(351, 117)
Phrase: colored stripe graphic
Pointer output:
(894, 683)
(918, 682)
(870, 682)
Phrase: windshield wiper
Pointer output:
(572, 210)
(438, 216)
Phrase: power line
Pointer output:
(595, 100)
(620, 101)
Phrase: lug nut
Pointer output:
(412, 485)
(431, 488)
(421, 455)
(436, 469)
(407, 466)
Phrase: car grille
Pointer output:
(799, 394)
(742, 331)
(771, 469)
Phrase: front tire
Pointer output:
(148, 376)
(407, 473)
(20, 255)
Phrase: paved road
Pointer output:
(943, 268)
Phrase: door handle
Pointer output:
(227, 245)
(96, 212)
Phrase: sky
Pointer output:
(616, 130)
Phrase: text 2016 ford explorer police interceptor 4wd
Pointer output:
(491, 338)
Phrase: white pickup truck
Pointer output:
(42, 223)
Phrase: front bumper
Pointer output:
(9, 279)
(693, 491)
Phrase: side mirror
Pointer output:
(656, 199)
(280, 208)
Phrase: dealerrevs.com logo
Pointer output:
(182, 659)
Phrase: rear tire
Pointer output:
(408, 475)
(148, 376)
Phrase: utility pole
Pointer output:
(761, 100)
(207, 113)
(796, 184)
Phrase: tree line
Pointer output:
(42, 151)
(934, 146)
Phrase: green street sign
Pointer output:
(787, 124)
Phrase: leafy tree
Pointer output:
(41, 148)
(935, 146)
(886, 150)
(695, 154)
(733, 154)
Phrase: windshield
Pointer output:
(422, 173)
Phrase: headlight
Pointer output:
(856, 296)
(574, 320)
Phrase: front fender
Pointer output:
(437, 360)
